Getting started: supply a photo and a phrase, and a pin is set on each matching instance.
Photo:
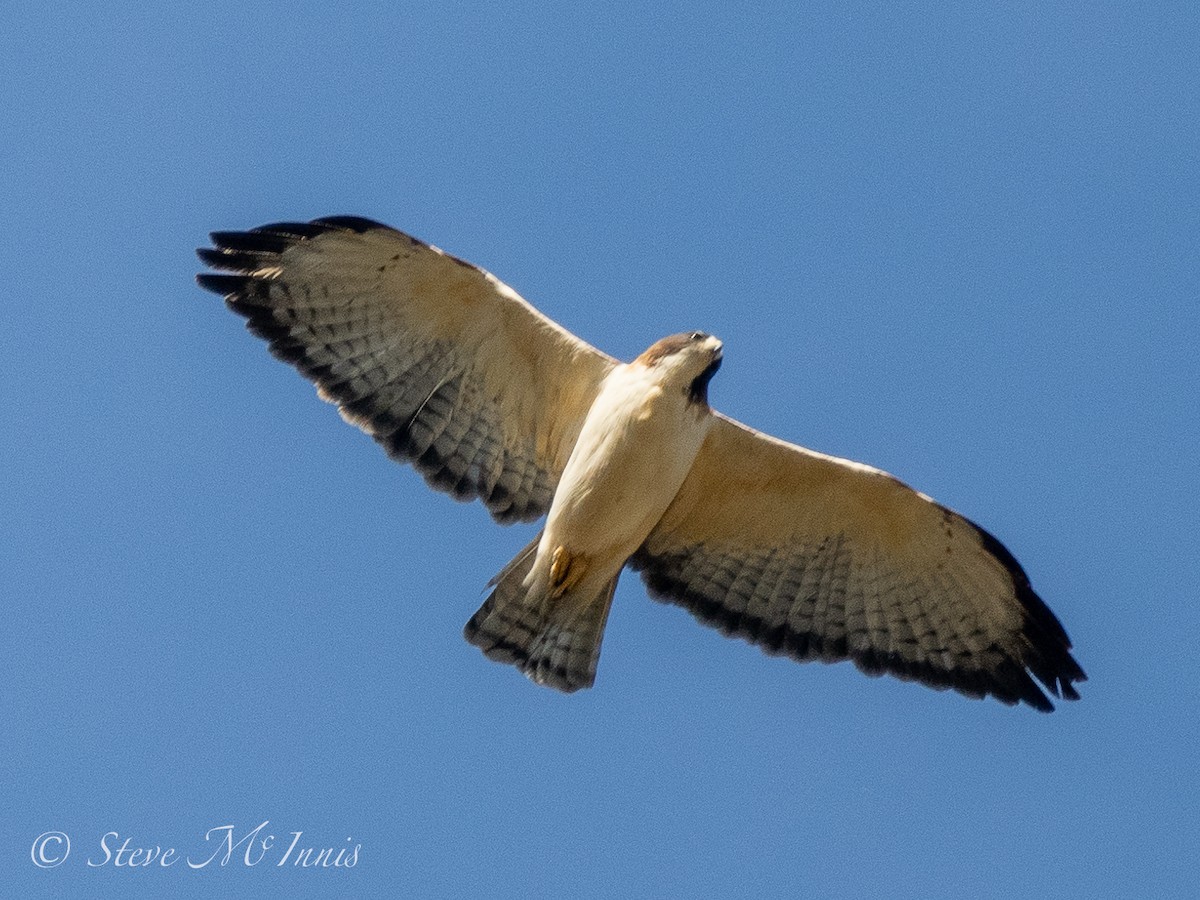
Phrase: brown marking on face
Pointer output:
(667, 346)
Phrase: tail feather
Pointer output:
(554, 642)
(505, 625)
(565, 654)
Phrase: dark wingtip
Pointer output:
(249, 251)
(223, 285)
(1040, 702)
(211, 257)
(1052, 662)
(255, 241)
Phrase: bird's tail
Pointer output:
(554, 641)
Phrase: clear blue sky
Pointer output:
(958, 242)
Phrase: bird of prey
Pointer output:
(804, 554)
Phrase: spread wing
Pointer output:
(434, 358)
(820, 558)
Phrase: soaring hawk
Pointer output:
(803, 554)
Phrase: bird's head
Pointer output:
(689, 359)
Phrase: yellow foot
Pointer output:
(566, 571)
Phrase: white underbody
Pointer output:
(636, 447)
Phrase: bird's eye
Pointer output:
(697, 335)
